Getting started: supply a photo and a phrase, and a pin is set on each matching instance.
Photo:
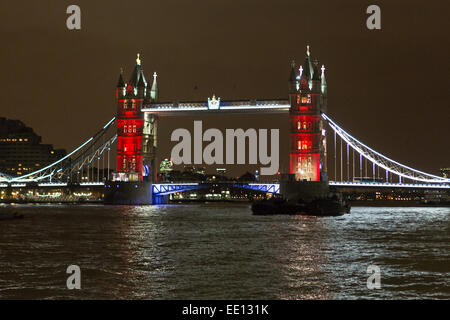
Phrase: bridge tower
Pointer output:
(308, 98)
(136, 131)
(130, 124)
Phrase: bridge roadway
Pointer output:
(94, 192)
(274, 187)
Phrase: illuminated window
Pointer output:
(298, 99)
(304, 125)
(134, 128)
(133, 105)
(125, 128)
(124, 164)
(125, 104)
(303, 145)
(304, 100)
(298, 125)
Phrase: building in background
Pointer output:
(445, 172)
(21, 150)
(165, 168)
(221, 172)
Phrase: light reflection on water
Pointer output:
(221, 251)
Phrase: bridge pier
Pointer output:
(160, 199)
(128, 193)
(293, 190)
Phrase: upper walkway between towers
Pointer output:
(216, 105)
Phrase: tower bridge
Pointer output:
(133, 132)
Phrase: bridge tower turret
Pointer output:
(120, 89)
(308, 144)
(293, 79)
(130, 123)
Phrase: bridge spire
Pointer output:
(307, 67)
(324, 81)
(154, 90)
(292, 76)
(316, 83)
(293, 79)
(138, 59)
(137, 73)
(120, 83)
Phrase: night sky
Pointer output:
(389, 88)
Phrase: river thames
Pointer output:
(222, 251)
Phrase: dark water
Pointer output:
(221, 251)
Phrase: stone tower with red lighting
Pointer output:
(308, 99)
(131, 136)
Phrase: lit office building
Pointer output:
(21, 150)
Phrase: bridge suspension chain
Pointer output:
(390, 166)
(76, 161)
